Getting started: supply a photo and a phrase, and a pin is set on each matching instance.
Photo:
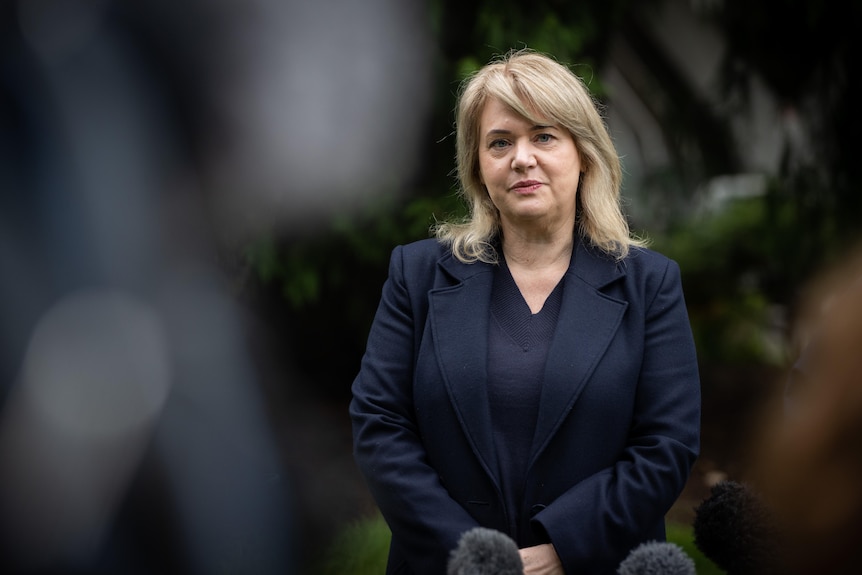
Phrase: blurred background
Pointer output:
(199, 199)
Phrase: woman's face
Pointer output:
(531, 171)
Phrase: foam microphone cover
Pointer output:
(483, 551)
(732, 527)
(657, 558)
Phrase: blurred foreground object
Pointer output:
(657, 558)
(809, 463)
(800, 510)
(139, 141)
(484, 551)
(733, 528)
(93, 384)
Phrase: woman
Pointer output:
(530, 370)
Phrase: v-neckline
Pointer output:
(513, 314)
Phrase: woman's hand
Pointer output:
(541, 560)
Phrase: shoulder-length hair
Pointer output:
(543, 91)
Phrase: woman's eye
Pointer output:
(499, 144)
(544, 138)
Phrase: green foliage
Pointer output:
(728, 260)
(540, 29)
(310, 268)
(362, 548)
(284, 265)
(683, 536)
(321, 291)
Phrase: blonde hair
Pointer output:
(541, 90)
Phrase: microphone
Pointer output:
(733, 528)
(657, 558)
(483, 551)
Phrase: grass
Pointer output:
(362, 547)
(683, 536)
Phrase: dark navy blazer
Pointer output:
(619, 418)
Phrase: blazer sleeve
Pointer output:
(425, 521)
(595, 523)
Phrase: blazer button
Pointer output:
(535, 509)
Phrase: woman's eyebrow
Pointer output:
(536, 128)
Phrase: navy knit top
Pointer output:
(518, 343)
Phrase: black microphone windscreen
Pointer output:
(483, 551)
(732, 527)
(657, 558)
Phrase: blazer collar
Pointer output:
(593, 266)
(587, 323)
(590, 264)
(459, 318)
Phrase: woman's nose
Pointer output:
(523, 158)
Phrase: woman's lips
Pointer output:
(526, 186)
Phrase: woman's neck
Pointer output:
(537, 264)
(537, 251)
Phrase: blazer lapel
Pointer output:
(587, 322)
(459, 316)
